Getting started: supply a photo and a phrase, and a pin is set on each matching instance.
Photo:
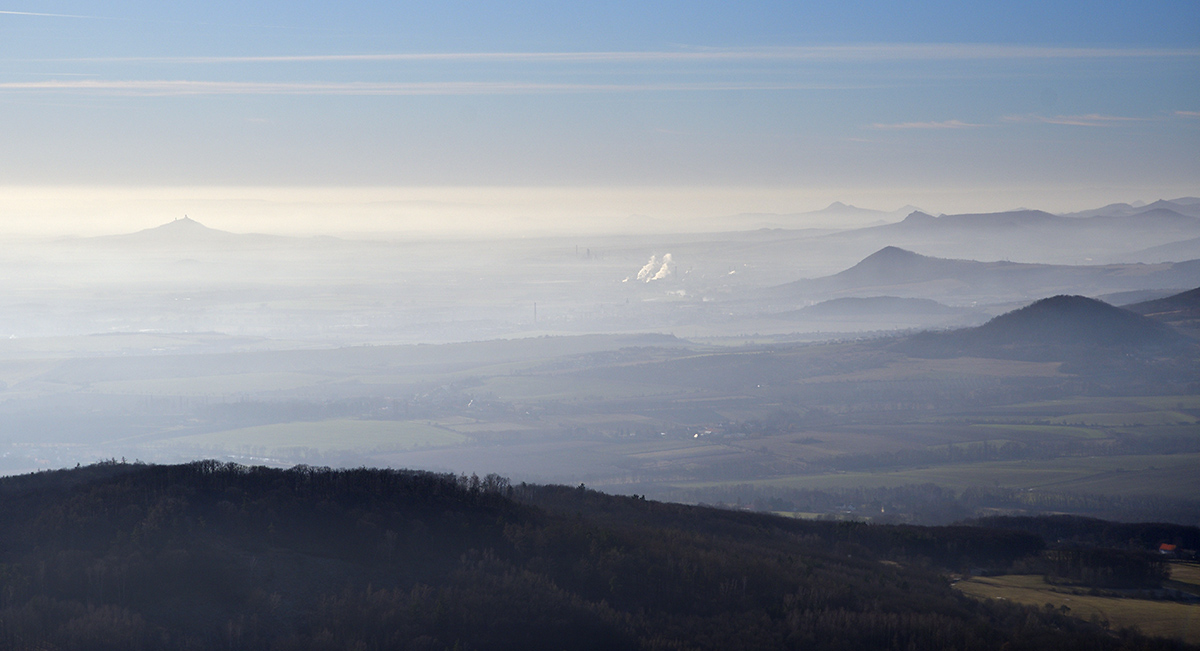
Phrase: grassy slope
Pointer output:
(1162, 618)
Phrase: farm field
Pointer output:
(1163, 618)
(1117, 475)
(1107, 404)
(1188, 573)
(213, 385)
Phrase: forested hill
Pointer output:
(1058, 328)
(211, 555)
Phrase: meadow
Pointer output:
(1153, 617)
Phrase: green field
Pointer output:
(1186, 573)
(551, 387)
(1158, 474)
(209, 385)
(1162, 618)
(1127, 419)
(1107, 404)
(326, 435)
(1041, 430)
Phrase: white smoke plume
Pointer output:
(656, 269)
(644, 274)
(665, 270)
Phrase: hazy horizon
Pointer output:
(548, 117)
(499, 211)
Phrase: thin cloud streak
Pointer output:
(186, 87)
(1089, 120)
(34, 13)
(867, 52)
(947, 124)
(1188, 114)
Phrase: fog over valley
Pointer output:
(716, 366)
(660, 325)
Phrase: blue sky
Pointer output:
(961, 105)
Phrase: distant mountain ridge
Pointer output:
(876, 313)
(1010, 219)
(899, 272)
(836, 215)
(1184, 205)
(1160, 214)
(1033, 235)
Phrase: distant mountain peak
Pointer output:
(917, 217)
(181, 226)
(183, 222)
(892, 253)
(183, 231)
(1161, 203)
(892, 262)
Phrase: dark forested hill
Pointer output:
(209, 555)
(1063, 328)
(1180, 310)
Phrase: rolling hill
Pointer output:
(1181, 311)
(1056, 328)
(900, 272)
(882, 313)
(212, 555)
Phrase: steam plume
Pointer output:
(644, 274)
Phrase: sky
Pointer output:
(489, 116)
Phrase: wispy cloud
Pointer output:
(189, 87)
(1089, 120)
(34, 13)
(946, 124)
(1188, 114)
(865, 52)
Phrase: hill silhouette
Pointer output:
(1073, 321)
(180, 230)
(213, 555)
(900, 272)
(870, 313)
(1160, 218)
(974, 221)
(1056, 328)
(1181, 311)
(1183, 205)
(1104, 236)
(187, 233)
(877, 306)
(1184, 305)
